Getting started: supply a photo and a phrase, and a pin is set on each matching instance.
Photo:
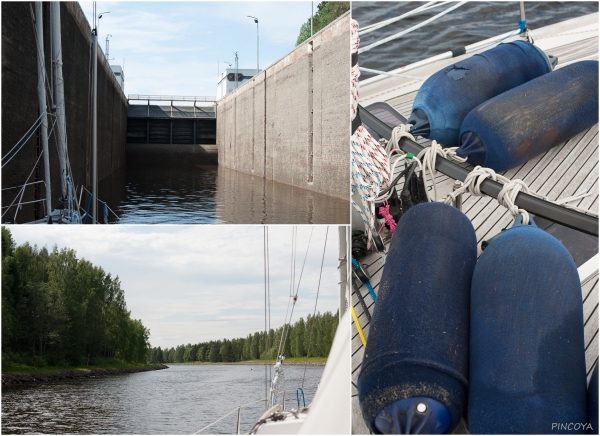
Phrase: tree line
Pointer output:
(326, 13)
(58, 310)
(298, 343)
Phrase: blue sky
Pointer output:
(196, 283)
(173, 48)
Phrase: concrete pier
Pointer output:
(291, 122)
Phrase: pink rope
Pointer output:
(384, 211)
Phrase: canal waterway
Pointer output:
(212, 194)
(179, 400)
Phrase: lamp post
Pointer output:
(98, 24)
(256, 21)
(236, 70)
(219, 67)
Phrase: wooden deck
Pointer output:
(563, 171)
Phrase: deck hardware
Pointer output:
(458, 199)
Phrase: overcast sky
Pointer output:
(196, 283)
(173, 48)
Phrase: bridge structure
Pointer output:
(185, 120)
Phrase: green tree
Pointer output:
(213, 355)
(326, 13)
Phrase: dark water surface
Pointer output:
(179, 400)
(212, 194)
(472, 22)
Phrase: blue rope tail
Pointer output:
(371, 291)
(87, 211)
(522, 25)
(105, 214)
(356, 265)
(298, 397)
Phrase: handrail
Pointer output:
(171, 98)
(237, 409)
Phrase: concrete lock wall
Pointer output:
(20, 106)
(291, 123)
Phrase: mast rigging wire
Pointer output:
(295, 298)
(315, 310)
(265, 271)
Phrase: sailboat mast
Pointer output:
(94, 128)
(59, 94)
(343, 262)
(39, 29)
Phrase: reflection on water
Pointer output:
(211, 194)
(179, 400)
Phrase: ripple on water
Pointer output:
(178, 400)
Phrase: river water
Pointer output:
(472, 22)
(179, 400)
(212, 194)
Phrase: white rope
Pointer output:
(422, 8)
(370, 163)
(508, 193)
(404, 32)
(428, 158)
(370, 174)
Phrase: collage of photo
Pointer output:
(379, 217)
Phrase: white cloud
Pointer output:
(174, 47)
(196, 283)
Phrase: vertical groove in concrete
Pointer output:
(253, 120)
(310, 114)
(235, 122)
(265, 130)
(305, 120)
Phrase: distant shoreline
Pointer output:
(45, 376)
(252, 363)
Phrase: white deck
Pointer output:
(561, 172)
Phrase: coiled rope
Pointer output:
(370, 163)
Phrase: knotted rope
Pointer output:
(508, 193)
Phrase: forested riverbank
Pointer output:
(51, 374)
(312, 338)
(61, 311)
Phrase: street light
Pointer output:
(219, 67)
(256, 21)
(98, 25)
